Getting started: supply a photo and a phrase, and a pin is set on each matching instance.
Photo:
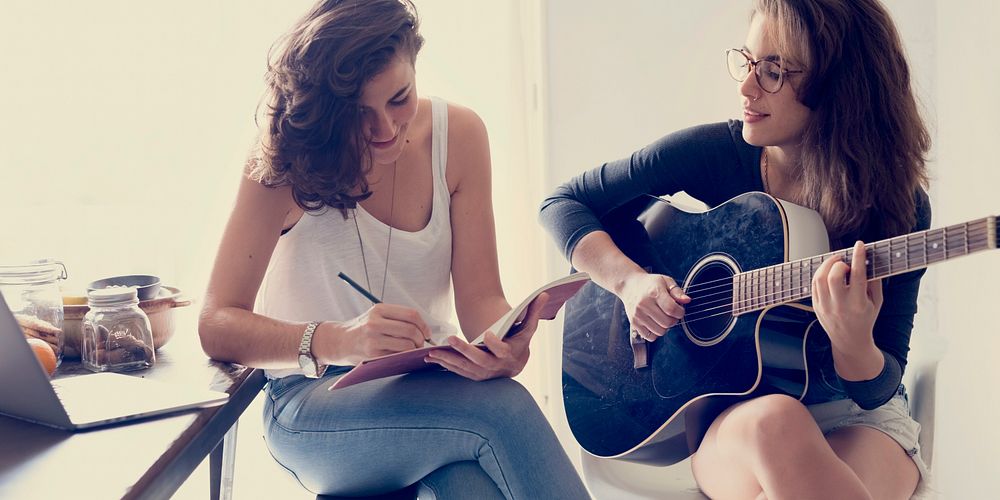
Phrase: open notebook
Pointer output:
(559, 292)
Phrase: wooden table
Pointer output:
(146, 459)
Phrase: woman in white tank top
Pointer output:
(354, 173)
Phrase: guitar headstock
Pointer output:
(992, 232)
(996, 231)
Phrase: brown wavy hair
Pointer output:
(865, 145)
(312, 136)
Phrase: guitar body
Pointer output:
(713, 358)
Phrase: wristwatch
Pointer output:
(307, 361)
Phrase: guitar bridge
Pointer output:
(640, 351)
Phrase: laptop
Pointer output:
(85, 401)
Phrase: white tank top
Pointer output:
(301, 283)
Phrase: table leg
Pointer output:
(222, 466)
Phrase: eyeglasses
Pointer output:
(770, 76)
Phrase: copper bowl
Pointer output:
(159, 309)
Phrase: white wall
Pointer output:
(621, 74)
(126, 124)
(969, 289)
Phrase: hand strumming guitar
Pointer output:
(653, 302)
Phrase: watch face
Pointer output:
(307, 364)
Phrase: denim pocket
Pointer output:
(279, 386)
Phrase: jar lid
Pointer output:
(41, 271)
(112, 296)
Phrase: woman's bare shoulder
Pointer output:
(465, 124)
(468, 145)
(269, 203)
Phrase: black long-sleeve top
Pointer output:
(714, 164)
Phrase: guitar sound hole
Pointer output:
(709, 315)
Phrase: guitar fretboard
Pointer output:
(792, 281)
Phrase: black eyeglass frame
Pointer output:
(754, 65)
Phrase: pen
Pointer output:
(368, 295)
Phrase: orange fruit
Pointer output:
(45, 355)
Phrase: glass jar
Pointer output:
(32, 293)
(116, 332)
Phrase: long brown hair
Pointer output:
(313, 139)
(864, 147)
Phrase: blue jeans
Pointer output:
(457, 437)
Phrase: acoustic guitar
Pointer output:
(749, 329)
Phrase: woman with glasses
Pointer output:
(829, 122)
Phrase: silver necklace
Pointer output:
(388, 245)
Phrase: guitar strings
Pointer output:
(787, 275)
(727, 303)
(780, 269)
(911, 241)
(979, 238)
(726, 296)
(886, 267)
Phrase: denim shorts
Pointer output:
(893, 418)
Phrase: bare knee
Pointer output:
(767, 425)
(745, 440)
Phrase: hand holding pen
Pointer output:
(388, 328)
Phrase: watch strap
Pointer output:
(305, 349)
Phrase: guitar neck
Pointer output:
(792, 281)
